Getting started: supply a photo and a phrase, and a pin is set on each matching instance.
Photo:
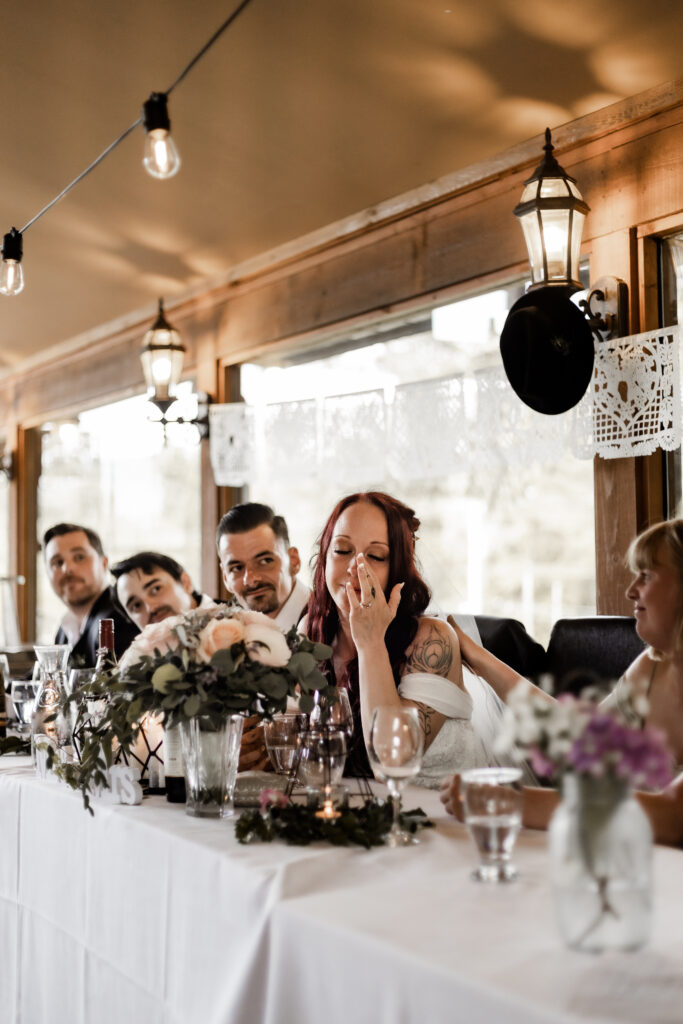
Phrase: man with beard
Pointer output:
(151, 586)
(259, 565)
(77, 568)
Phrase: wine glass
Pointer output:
(395, 751)
(338, 714)
(282, 741)
(323, 754)
(492, 799)
(23, 694)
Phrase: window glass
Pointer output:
(515, 540)
(9, 632)
(109, 468)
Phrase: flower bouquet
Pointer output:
(600, 839)
(207, 665)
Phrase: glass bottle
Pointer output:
(49, 726)
(174, 769)
(106, 655)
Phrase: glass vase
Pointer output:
(49, 726)
(211, 754)
(600, 844)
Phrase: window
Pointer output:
(9, 630)
(110, 469)
(501, 534)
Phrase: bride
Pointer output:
(368, 603)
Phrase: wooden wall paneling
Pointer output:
(23, 518)
(628, 492)
(206, 380)
(229, 391)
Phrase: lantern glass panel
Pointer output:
(552, 188)
(532, 237)
(162, 368)
(575, 245)
(555, 240)
(530, 191)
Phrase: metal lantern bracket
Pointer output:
(200, 421)
(606, 308)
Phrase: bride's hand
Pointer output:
(371, 614)
(468, 648)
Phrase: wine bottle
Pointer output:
(173, 766)
(106, 655)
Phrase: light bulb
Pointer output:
(160, 158)
(11, 272)
(11, 277)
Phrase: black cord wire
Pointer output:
(219, 31)
(131, 128)
(91, 167)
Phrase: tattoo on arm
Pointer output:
(425, 714)
(433, 653)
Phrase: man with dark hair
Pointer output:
(77, 568)
(259, 565)
(151, 586)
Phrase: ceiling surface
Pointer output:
(304, 112)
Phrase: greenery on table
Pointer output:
(298, 824)
(211, 664)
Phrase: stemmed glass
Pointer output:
(338, 715)
(76, 714)
(395, 751)
(492, 799)
(282, 736)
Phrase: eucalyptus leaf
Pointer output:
(191, 706)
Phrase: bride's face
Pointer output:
(360, 529)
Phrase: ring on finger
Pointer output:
(366, 604)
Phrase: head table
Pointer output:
(143, 915)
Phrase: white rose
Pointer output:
(266, 645)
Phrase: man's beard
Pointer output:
(83, 600)
(264, 603)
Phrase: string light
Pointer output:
(11, 272)
(160, 159)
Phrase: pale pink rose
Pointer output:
(250, 618)
(218, 635)
(272, 798)
(158, 636)
(266, 645)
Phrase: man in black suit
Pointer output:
(77, 568)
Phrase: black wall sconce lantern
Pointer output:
(547, 341)
(162, 358)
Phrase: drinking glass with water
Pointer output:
(23, 693)
(492, 799)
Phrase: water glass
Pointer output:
(395, 752)
(23, 694)
(323, 755)
(492, 799)
(282, 736)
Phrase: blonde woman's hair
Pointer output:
(642, 554)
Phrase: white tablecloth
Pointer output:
(143, 914)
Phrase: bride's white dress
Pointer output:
(465, 740)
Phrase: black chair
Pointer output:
(509, 641)
(600, 646)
